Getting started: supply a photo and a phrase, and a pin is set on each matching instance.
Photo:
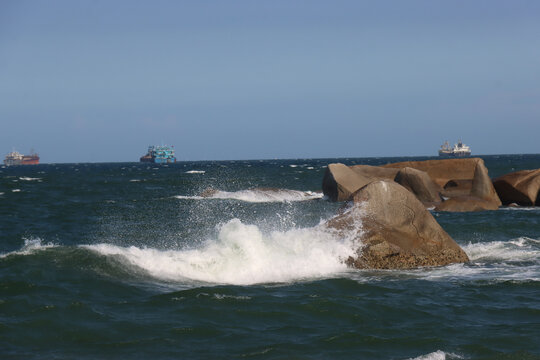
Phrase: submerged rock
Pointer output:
(208, 192)
(520, 187)
(393, 230)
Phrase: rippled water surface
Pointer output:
(226, 260)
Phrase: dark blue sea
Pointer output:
(130, 261)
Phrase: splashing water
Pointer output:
(243, 255)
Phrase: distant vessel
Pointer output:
(159, 155)
(459, 150)
(16, 158)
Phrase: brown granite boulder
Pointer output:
(520, 187)
(420, 184)
(393, 230)
(340, 182)
(466, 203)
(466, 179)
(443, 170)
(375, 172)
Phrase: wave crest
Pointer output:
(31, 245)
(257, 195)
(243, 255)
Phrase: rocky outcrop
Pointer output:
(420, 184)
(394, 230)
(520, 187)
(463, 180)
(340, 182)
(375, 172)
(443, 170)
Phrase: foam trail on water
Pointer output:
(195, 172)
(259, 195)
(514, 260)
(243, 255)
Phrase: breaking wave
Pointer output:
(258, 195)
(195, 172)
(25, 178)
(31, 245)
(243, 255)
(437, 355)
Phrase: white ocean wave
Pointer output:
(242, 255)
(258, 195)
(25, 178)
(512, 260)
(195, 172)
(437, 355)
(520, 249)
(31, 245)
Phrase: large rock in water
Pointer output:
(375, 172)
(520, 187)
(340, 182)
(420, 184)
(464, 181)
(394, 230)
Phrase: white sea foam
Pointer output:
(195, 172)
(260, 195)
(31, 245)
(516, 250)
(514, 260)
(242, 255)
(437, 355)
(16, 190)
(135, 180)
(24, 178)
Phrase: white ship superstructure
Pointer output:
(459, 150)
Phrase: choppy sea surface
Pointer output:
(130, 260)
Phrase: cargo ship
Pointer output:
(459, 150)
(16, 158)
(159, 155)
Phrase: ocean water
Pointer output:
(139, 261)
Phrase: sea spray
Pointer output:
(242, 255)
(31, 245)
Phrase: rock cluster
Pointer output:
(386, 207)
(447, 185)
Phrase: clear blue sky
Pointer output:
(94, 81)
